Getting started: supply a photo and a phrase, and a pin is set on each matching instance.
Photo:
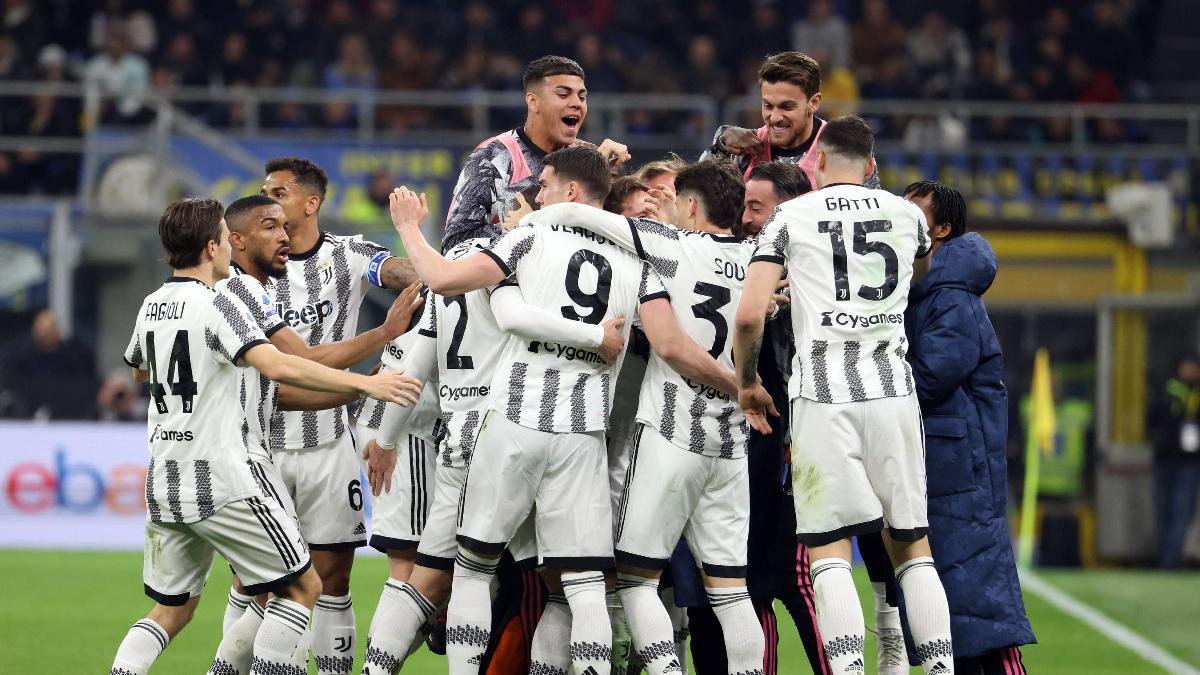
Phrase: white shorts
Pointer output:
(515, 469)
(670, 492)
(326, 485)
(857, 467)
(261, 543)
(269, 480)
(623, 424)
(438, 547)
(398, 517)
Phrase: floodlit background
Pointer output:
(1072, 128)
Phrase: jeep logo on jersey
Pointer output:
(308, 314)
(859, 321)
(161, 434)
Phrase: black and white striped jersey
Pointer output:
(704, 274)
(191, 339)
(320, 298)
(257, 393)
(849, 253)
(424, 421)
(550, 386)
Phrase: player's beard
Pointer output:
(269, 265)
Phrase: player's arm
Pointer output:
(134, 358)
(762, 276)
(516, 316)
(734, 140)
(640, 236)
(442, 276)
(297, 398)
(140, 376)
(346, 353)
(397, 274)
(679, 350)
(392, 386)
(469, 216)
(380, 454)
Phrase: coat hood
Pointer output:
(967, 262)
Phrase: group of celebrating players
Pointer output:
(585, 388)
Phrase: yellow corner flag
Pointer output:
(1040, 441)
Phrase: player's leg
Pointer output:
(661, 487)
(895, 461)
(408, 602)
(892, 657)
(717, 532)
(326, 486)
(496, 500)
(793, 586)
(236, 604)
(833, 501)
(571, 517)
(176, 564)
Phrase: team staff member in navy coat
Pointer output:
(957, 365)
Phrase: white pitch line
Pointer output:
(1115, 631)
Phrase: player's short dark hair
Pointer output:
(795, 68)
(620, 190)
(718, 185)
(548, 66)
(238, 211)
(849, 136)
(946, 203)
(307, 173)
(788, 179)
(186, 227)
(584, 166)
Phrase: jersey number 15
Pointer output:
(841, 275)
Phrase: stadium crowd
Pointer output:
(983, 50)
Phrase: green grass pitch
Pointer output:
(66, 612)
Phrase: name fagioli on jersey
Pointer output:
(162, 311)
(849, 253)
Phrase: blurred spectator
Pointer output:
(179, 59)
(1090, 85)
(1111, 44)
(22, 20)
(532, 37)
(49, 115)
(603, 65)
(121, 75)
(1174, 428)
(879, 43)
(370, 206)
(354, 69)
(823, 30)
(48, 377)
(704, 74)
(235, 65)
(181, 19)
(939, 57)
(405, 67)
(120, 399)
(766, 31)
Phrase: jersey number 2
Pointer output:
(841, 275)
(179, 373)
(454, 360)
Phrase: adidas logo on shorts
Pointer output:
(361, 529)
(856, 667)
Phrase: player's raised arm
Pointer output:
(444, 277)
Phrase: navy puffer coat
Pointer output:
(958, 368)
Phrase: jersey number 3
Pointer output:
(179, 373)
(841, 275)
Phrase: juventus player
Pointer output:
(508, 164)
(459, 342)
(326, 281)
(857, 446)
(189, 342)
(688, 471)
(259, 244)
(542, 441)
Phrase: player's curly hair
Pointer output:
(795, 68)
(307, 172)
(186, 227)
(947, 204)
(718, 185)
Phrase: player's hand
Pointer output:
(664, 205)
(614, 153)
(513, 218)
(614, 342)
(380, 464)
(408, 209)
(740, 141)
(780, 299)
(399, 315)
(756, 404)
(393, 386)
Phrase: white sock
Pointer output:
(141, 646)
(839, 615)
(235, 606)
(622, 640)
(649, 624)
(744, 641)
(928, 614)
(278, 645)
(469, 614)
(679, 626)
(551, 654)
(887, 617)
(333, 634)
(236, 650)
(591, 634)
(398, 619)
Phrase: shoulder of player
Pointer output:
(468, 247)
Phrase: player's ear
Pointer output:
(939, 231)
(531, 100)
(870, 168)
(814, 102)
(311, 205)
(235, 240)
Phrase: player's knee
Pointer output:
(173, 618)
(631, 570)
(304, 590)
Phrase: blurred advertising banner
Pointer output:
(72, 485)
(24, 241)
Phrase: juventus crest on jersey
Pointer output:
(848, 251)
(320, 299)
(190, 338)
(550, 386)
